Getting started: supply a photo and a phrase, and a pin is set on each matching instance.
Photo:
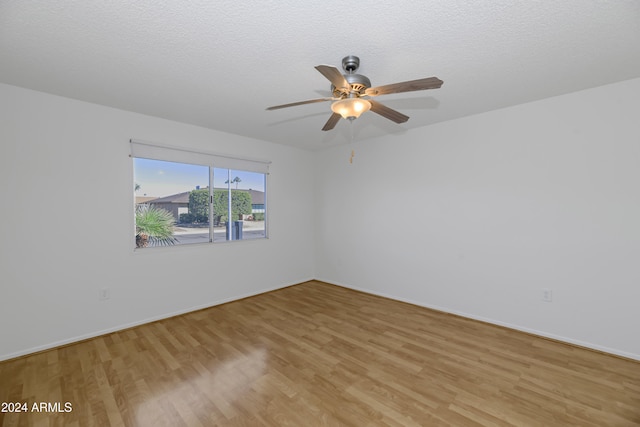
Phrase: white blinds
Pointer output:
(150, 150)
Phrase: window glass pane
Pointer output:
(172, 203)
(253, 213)
(243, 218)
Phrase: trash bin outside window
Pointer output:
(236, 230)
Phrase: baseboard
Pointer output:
(541, 334)
(84, 337)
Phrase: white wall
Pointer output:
(66, 224)
(473, 216)
(476, 216)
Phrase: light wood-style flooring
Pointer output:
(320, 355)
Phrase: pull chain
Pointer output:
(352, 137)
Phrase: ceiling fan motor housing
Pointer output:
(358, 82)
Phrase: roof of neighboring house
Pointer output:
(143, 199)
(174, 198)
(257, 197)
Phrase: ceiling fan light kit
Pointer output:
(351, 108)
(349, 89)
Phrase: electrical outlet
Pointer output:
(547, 295)
(104, 294)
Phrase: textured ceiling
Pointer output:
(219, 64)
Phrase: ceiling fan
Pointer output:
(352, 93)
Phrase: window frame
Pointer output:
(160, 152)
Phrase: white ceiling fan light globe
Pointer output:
(351, 107)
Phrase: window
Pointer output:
(184, 197)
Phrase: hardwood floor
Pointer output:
(320, 355)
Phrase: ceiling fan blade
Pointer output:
(387, 112)
(410, 86)
(293, 104)
(332, 122)
(334, 76)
